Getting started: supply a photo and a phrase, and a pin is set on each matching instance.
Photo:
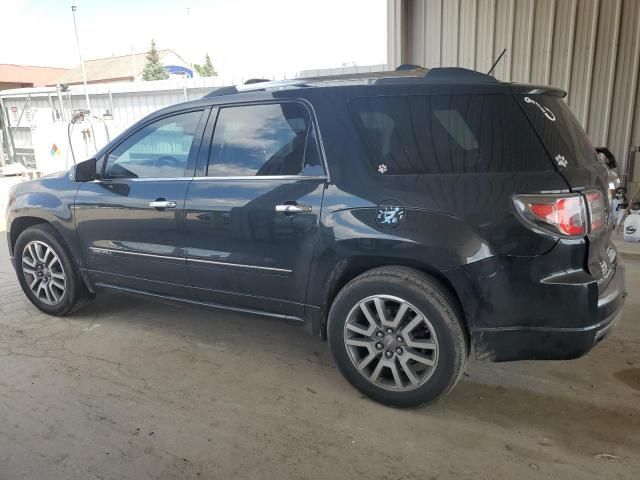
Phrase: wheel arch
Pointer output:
(20, 224)
(347, 269)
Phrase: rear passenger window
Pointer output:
(261, 140)
(419, 134)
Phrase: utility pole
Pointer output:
(84, 73)
(135, 65)
(189, 36)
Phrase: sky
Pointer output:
(243, 37)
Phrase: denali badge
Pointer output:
(390, 214)
(99, 251)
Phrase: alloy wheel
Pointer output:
(391, 343)
(43, 272)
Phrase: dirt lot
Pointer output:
(131, 389)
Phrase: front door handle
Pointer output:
(293, 208)
(162, 204)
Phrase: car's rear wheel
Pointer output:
(397, 336)
(47, 273)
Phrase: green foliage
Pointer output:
(206, 69)
(153, 69)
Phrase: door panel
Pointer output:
(252, 214)
(241, 251)
(128, 243)
(130, 221)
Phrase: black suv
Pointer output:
(408, 217)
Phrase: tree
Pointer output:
(153, 69)
(206, 69)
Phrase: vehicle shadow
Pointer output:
(207, 325)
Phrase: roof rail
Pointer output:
(221, 91)
(406, 72)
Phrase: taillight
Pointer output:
(567, 215)
(595, 202)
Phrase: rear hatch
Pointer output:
(577, 161)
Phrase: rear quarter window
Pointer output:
(559, 129)
(440, 134)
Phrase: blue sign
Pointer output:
(179, 70)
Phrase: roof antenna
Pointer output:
(497, 61)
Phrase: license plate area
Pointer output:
(607, 264)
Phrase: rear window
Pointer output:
(559, 129)
(422, 134)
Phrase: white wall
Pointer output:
(44, 122)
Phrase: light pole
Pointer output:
(189, 36)
(135, 65)
(84, 73)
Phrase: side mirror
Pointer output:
(85, 171)
(610, 157)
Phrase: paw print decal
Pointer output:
(561, 161)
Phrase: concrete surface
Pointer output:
(628, 250)
(130, 389)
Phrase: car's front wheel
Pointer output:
(47, 273)
(397, 336)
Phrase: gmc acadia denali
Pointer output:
(410, 218)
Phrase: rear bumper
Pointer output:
(504, 345)
(564, 339)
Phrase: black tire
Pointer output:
(434, 302)
(75, 295)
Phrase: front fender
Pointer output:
(49, 199)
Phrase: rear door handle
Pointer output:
(162, 204)
(294, 208)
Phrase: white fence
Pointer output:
(35, 119)
(30, 109)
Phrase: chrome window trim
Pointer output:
(239, 177)
(265, 177)
(110, 251)
(146, 179)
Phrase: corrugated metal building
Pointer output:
(590, 48)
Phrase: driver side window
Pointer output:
(158, 150)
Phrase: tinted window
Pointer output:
(159, 150)
(560, 131)
(420, 134)
(261, 140)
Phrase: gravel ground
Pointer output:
(129, 389)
